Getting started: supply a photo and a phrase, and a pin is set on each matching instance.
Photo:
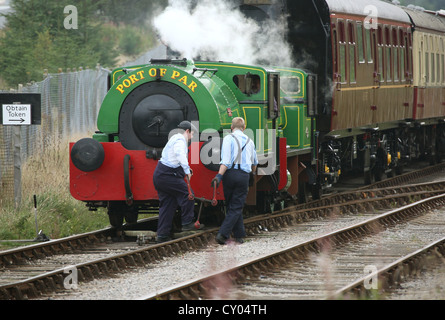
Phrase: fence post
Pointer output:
(18, 161)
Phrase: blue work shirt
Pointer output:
(175, 153)
(230, 149)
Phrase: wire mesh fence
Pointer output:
(70, 102)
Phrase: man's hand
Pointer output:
(216, 180)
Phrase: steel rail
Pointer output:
(53, 281)
(31, 287)
(43, 249)
(403, 178)
(393, 274)
(204, 287)
(40, 250)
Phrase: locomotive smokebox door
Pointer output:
(151, 112)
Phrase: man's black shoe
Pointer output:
(160, 239)
(220, 239)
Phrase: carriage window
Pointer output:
(395, 43)
(443, 67)
(368, 45)
(388, 54)
(402, 55)
(342, 51)
(334, 36)
(432, 62)
(421, 60)
(380, 53)
(342, 62)
(360, 43)
(433, 68)
(427, 67)
(428, 61)
(352, 77)
(409, 49)
(402, 64)
(442, 60)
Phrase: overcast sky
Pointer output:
(4, 6)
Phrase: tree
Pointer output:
(35, 39)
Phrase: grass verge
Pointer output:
(46, 175)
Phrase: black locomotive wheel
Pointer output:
(116, 219)
(116, 213)
(131, 214)
(368, 177)
(303, 192)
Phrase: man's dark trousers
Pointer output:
(173, 192)
(236, 187)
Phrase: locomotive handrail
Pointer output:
(204, 70)
(180, 62)
(128, 193)
(338, 78)
(377, 80)
(253, 102)
(294, 100)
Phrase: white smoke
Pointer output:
(214, 30)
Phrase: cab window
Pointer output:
(248, 83)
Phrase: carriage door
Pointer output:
(442, 73)
(424, 73)
(377, 52)
(405, 74)
(340, 70)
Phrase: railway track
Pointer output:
(294, 272)
(27, 273)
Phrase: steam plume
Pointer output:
(215, 30)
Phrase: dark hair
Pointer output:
(187, 125)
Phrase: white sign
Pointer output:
(16, 114)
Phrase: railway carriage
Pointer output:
(381, 85)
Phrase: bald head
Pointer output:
(238, 123)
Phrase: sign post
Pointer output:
(19, 109)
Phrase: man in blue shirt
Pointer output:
(168, 180)
(238, 160)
